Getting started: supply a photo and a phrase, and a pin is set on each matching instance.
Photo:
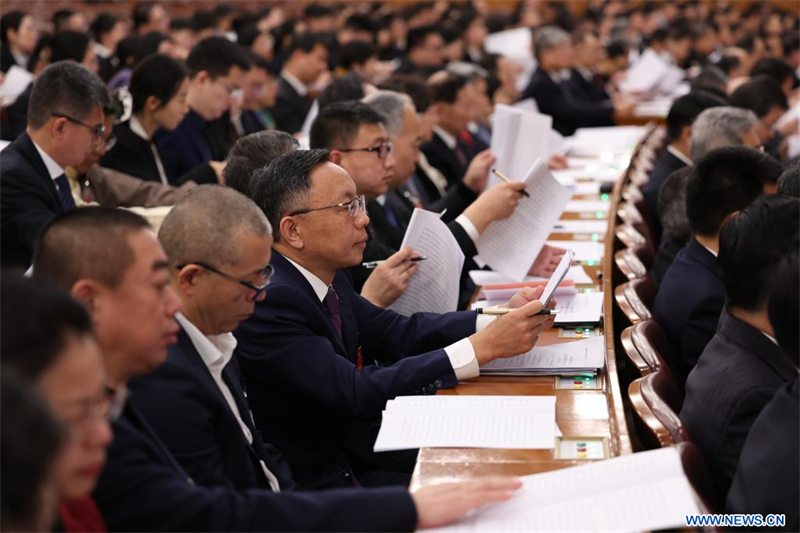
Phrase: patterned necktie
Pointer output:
(331, 303)
(65, 193)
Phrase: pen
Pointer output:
(507, 180)
(373, 264)
(498, 311)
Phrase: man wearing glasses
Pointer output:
(65, 122)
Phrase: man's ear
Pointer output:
(152, 103)
(57, 126)
(290, 233)
(201, 77)
(188, 278)
(686, 135)
(86, 291)
(336, 157)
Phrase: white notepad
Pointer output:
(565, 357)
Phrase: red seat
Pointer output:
(634, 262)
(635, 299)
(696, 471)
(656, 400)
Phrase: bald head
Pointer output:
(204, 226)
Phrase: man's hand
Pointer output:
(557, 162)
(438, 505)
(477, 173)
(547, 261)
(389, 280)
(496, 203)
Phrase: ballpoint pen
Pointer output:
(508, 180)
(498, 311)
(373, 264)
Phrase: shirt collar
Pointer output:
(298, 85)
(319, 286)
(138, 128)
(381, 199)
(102, 51)
(679, 155)
(215, 350)
(770, 337)
(20, 59)
(448, 139)
(585, 73)
(53, 168)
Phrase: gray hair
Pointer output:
(471, 71)
(718, 127)
(390, 106)
(548, 38)
(672, 206)
(204, 225)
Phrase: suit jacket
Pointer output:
(110, 188)
(191, 145)
(455, 200)
(143, 488)
(770, 454)
(133, 155)
(253, 121)
(185, 407)
(666, 254)
(568, 114)
(290, 109)
(664, 167)
(688, 304)
(738, 374)
(307, 395)
(585, 90)
(6, 59)
(445, 160)
(29, 200)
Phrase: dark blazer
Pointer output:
(307, 395)
(143, 488)
(585, 90)
(688, 304)
(291, 109)
(28, 201)
(664, 167)
(189, 146)
(252, 122)
(766, 480)
(738, 374)
(445, 160)
(17, 116)
(6, 59)
(666, 254)
(133, 155)
(182, 403)
(457, 198)
(568, 114)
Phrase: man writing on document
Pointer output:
(320, 361)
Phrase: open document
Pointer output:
(644, 491)
(434, 286)
(562, 358)
(510, 246)
(517, 422)
(519, 138)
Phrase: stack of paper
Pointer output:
(502, 292)
(644, 491)
(488, 277)
(585, 251)
(517, 141)
(517, 422)
(563, 358)
(579, 309)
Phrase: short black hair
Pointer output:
(316, 11)
(337, 125)
(259, 62)
(65, 87)
(777, 69)
(38, 319)
(343, 88)
(617, 47)
(141, 13)
(359, 22)
(789, 181)
(759, 94)
(306, 42)
(158, 75)
(712, 79)
(724, 181)
(148, 44)
(413, 85)
(278, 188)
(752, 245)
(69, 45)
(10, 21)
(87, 243)
(30, 439)
(216, 55)
(416, 37)
(102, 24)
(253, 152)
(356, 53)
(684, 111)
(783, 308)
(202, 20)
(60, 17)
(728, 62)
(446, 90)
(126, 51)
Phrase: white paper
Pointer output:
(16, 81)
(581, 226)
(539, 404)
(519, 138)
(3, 145)
(586, 354)
(515, 45)
(510, 246)
(645, 74)
(644, 491)
(529, 105)
(579, 308)
(489, 277)
(504, 295)
(584, 250)
(434, 286)
(587, 206)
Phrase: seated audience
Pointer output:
(253, 152)
(742, 367)
(424, 52)
(677, 229)
(583, 83)
(258, 95)
(691, 295)
(65, 121)
(723, 126)
(763, 96)
(18, 37)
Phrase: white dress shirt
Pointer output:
(53, 168)
(449, 140)
(297, 85)
(461, 353)
(679, 155)
(216, 352)
(138, 129)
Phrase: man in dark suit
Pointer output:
(582, 83)
(742, 367)
(677, 229)
(770, 451)
(216, 68)
(424, 52)
(553, 49)
(681, 115)
(317, 352)
(65, 121)
(306, 61)
(143, 487)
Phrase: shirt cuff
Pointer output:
(462, 357)
(469, 227)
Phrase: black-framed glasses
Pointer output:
(259, 289)
(97, 131)
(383, 150)
(353, 207)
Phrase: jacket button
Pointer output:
(344, 474)
(438, 383)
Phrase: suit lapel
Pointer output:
(32, 155)
(350, 336)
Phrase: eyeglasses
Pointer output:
(97, 131)
(383, 150)
(108, 407)
(353, 207)
(266, 275)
